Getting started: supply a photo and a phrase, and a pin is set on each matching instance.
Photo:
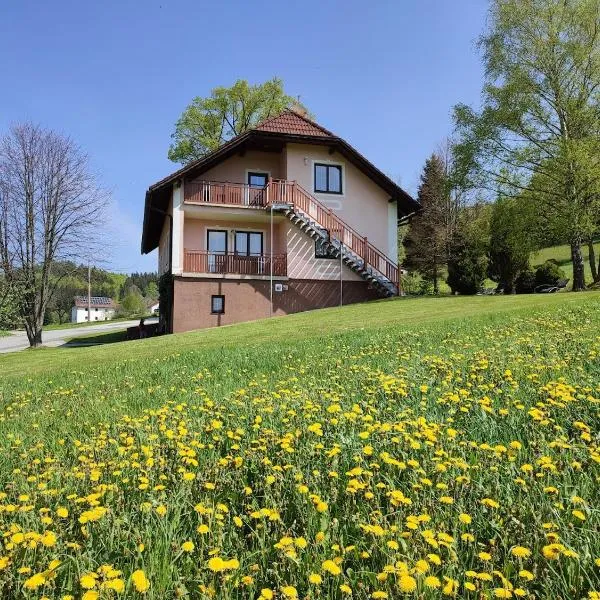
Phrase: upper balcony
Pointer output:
(225, 194)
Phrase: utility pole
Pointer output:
(271, 266)
(89, 293)
(341, 271)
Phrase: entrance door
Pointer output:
(216, 246)
(257, 182)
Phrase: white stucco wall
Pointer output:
(79, 314)
(178, 220)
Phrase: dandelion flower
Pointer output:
(140, 581)
(432, 582)
(331, 567)
(35, 581)
(521, 552)
(407, 584)
(187, 546)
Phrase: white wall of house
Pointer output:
(178, 219)
(80, 315)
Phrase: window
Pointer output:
(321, 249)
(257, 179)
(328, 178)
(248, 243)
(216, 242)
(217, 305)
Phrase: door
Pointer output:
(216, 247)
(249, 252)
(257, 182)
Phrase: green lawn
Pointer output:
(4, 333)
(295, 328)
(86, 324)
(408, 448)
(562, 254)
(109, 337)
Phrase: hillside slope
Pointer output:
(429, 448)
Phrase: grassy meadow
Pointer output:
(562, 255)
(426, 448)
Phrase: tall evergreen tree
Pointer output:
(426, 243)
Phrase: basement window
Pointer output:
(217, 305)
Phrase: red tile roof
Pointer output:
(292, 123)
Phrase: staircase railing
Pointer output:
(289, 192)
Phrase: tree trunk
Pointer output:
(578, 267)
(435, 279)
(592, 259)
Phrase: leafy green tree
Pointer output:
(152, 290)
(468, 251)
(538, 130)
(511, 242)
(133, 305)
(207, 123)
(426, 243)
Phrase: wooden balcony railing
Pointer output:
(232, 194)
(290, 193)
(199, 261)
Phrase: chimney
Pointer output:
(298, 108)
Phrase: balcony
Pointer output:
(225, 193)
(199, 261)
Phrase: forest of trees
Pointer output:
(523, 170)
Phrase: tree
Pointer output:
(50, 210)
(511, 242)
(152, 290)
(207, 123)
(468, 251)
(426, 243)
(133, 304)
(539, 128)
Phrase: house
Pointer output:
(153, 306)
(102, 309)
(283, 218)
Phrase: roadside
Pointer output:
(58, 337)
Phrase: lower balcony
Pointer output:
(200, 261)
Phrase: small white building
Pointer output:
(102, 309)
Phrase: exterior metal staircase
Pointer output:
(336, 237)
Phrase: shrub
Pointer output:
(549, 273)
(467, 266)
(525, 282)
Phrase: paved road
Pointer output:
(57, 337)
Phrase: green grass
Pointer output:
(357, 435)
(299, 327)
(4, 333)
(109, 337)
(86, 324)
(562, 255)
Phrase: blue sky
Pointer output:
(115, 75)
